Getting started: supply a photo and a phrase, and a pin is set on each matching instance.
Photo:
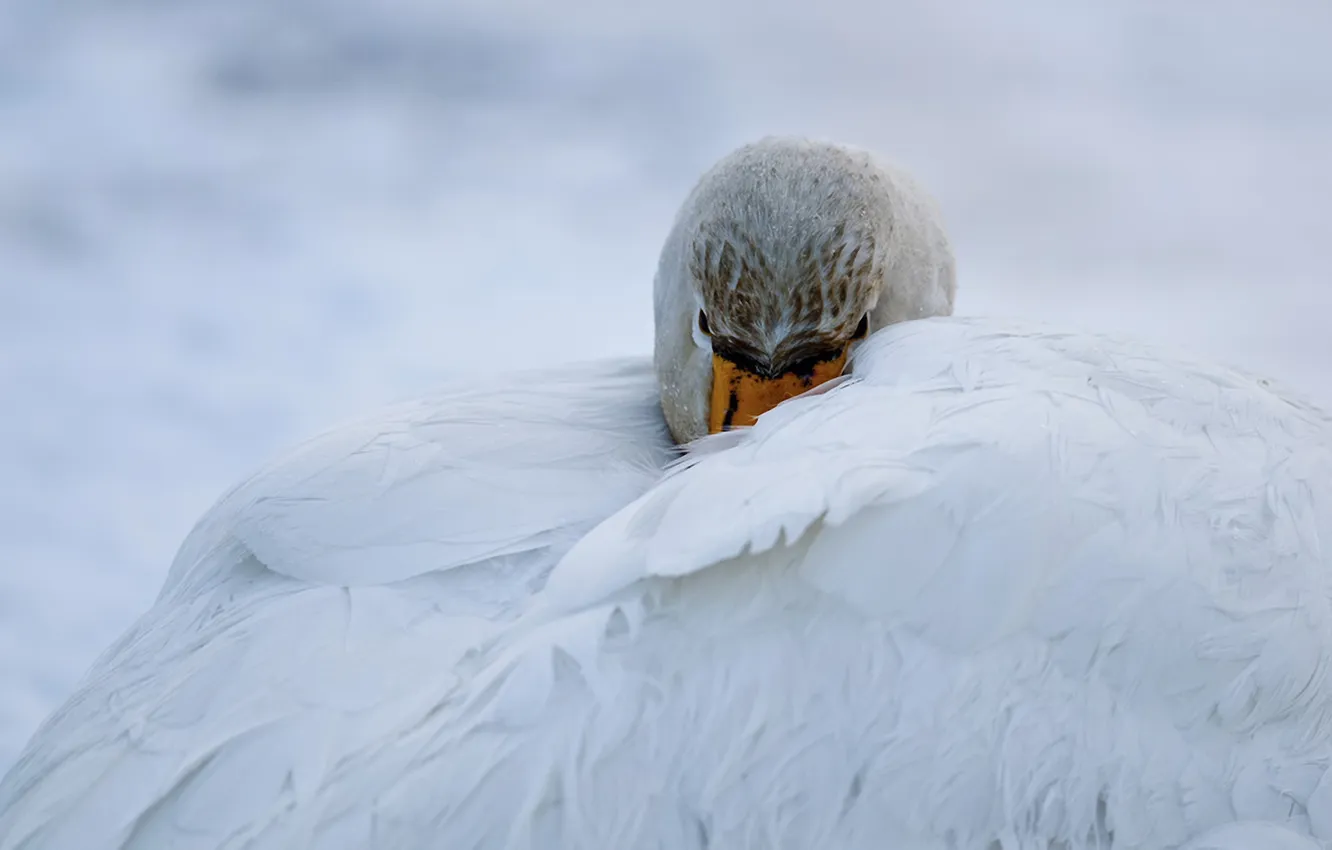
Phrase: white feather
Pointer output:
(1002, 589)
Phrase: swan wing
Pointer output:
(1014, 585)
(321, 608)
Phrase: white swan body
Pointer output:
(1002, 589)
(1006, 589)
(319, 609)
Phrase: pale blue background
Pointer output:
(227, 224)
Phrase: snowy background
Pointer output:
(226, 224)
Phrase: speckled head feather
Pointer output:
(785, 249)
(785, 246)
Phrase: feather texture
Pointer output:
(1003, 589)
(320, 607)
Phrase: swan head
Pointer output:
(786, 254)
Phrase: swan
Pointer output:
(914, 581)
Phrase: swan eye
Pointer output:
(862, 329)
(703, 324)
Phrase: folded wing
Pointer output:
(320, 610)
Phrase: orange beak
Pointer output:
(739, 397)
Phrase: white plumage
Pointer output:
(320, 608)
(1001, 589)
(1002, 586)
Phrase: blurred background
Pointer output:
(227, 224)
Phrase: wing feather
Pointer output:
(320, 610)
